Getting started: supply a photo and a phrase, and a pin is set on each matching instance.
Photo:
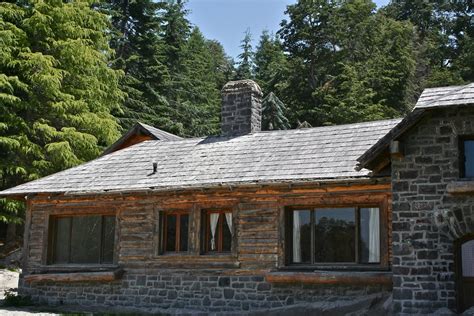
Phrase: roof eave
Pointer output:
(369, 156)
(299, 182)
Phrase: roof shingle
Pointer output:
(446, 96)
(318, 154)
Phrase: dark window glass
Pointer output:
(83, 239)
(62, 226)
(329, 235)
(226, 237)
(335, 235)
(108, 239)
(301, 246)
(469, 158)
(175, 232)
(183, 245)
(218, 231)
(170, 232)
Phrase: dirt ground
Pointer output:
(8, 280)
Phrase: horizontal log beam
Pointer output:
(108, 276)
(330, 278)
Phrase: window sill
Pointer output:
(74, 267)
(331, 277)
(335, 268)
(465, 186)
(103, 276)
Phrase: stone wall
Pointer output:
(426, 219)
(172, 291)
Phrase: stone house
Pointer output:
(254, 220)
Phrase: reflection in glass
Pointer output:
(335, 235)
(183, 242)
(469, 158)
(170, 232)
(85, 239)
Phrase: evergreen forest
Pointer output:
(75, 75)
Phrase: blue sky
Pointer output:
(227, 20)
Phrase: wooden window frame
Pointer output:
(163, 226)
(205, 214)
(52, 229)
(462, 155)
(356, 265)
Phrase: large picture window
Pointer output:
(175, 231)
(218, 231)
(82, 239)
(334, 235)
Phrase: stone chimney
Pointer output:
(241, 111)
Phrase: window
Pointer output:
(175, 227)
(217, 231)
(82, 239)
(333, 235)
(467, 154)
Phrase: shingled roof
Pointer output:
(446, 96)
(431, 98)
(313, 154)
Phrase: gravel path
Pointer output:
(8, 280)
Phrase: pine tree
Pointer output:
(348, 63)
(441, 29)
(56, 90)
(245, 68)
(273, 113)
(139, 54)
(198, 95)
(270, 64)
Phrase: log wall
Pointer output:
(251, 277)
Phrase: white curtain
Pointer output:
(374, 235)
(228, 218)
(214, 217)
(296, 237)
(467, 253)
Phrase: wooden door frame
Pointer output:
(458, 269)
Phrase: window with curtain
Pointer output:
(334, 235)
(81, 239)
(175, 231)
(217, 231)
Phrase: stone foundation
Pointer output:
(171, 291)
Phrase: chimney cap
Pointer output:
(239, 86)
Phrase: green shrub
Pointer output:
(12, 298)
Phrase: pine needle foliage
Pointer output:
(57, 90)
